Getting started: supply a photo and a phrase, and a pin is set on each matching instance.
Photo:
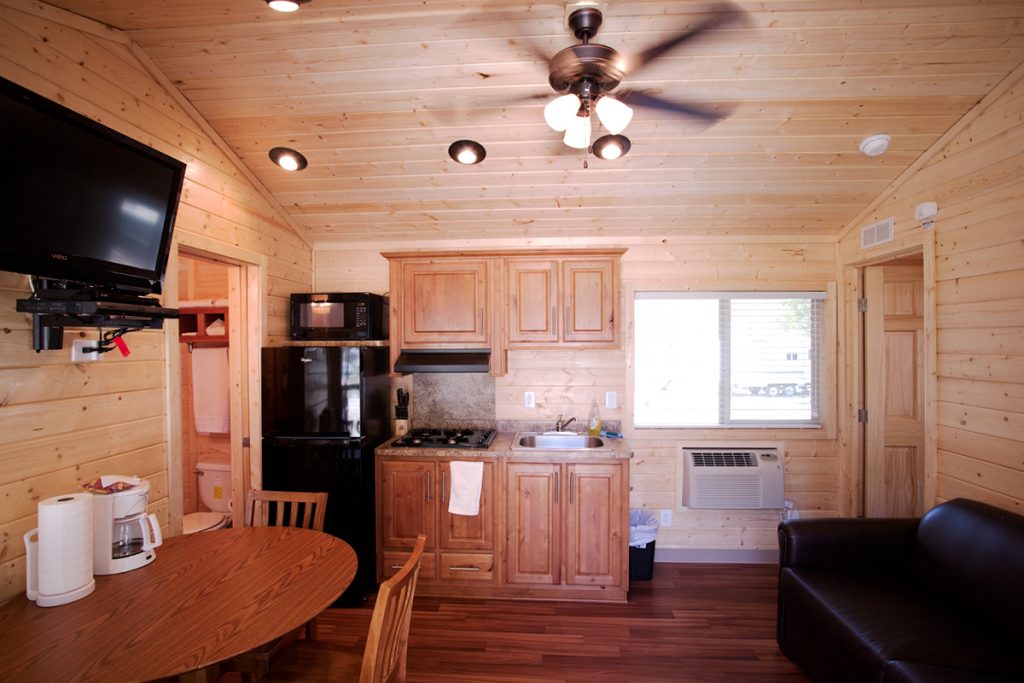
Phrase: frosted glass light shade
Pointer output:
(614, 115)
(283, 5)
(559, 112)
(577, 135)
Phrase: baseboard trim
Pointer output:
(723, 556)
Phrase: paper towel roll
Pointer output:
(64, 553)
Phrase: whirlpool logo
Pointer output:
(59, 257)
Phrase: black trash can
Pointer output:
(641, 562)
(643, 527)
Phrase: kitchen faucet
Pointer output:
(559, 425)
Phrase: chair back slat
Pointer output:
(387, 641)
(283, 508)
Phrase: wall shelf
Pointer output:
(193, 323)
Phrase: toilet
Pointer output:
(214, 483)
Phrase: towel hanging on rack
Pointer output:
(210, 397)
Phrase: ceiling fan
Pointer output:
(586, 74)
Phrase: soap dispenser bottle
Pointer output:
(594, 425)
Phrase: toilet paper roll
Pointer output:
(64, 551)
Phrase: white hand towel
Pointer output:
(467, 480)
(210, 399)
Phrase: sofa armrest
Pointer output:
(877, 546)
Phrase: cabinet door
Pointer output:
(534, 526)
(594, 524)
(588, 291)
(461, 532)
(532, 301)
(444, 302)
(406, 502)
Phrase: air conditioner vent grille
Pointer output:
(724, 459)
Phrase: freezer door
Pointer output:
(313, 390)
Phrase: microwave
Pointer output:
(339, 316)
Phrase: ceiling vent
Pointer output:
(878, 233)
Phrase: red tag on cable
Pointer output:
(122, 346)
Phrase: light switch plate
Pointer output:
(666, 518)
(611, 399)
(528, 399)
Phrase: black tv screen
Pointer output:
(79, 201)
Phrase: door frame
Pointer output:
(851, 444)
(246, 313)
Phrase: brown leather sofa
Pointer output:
(939, 599)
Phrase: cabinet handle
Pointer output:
(444, 484)
(572, 487)
(463, 568)
(554, 318)
(429, 497)
(556, 487)
(396, 566)
(568, 318)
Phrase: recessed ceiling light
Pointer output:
(285, 5)
(467, 152)
(288, 158)
(875, 145)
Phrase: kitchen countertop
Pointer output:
(618, 449)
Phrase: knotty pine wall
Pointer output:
(567, 381)
(975, 177)
(63, 423)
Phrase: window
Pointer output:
(727, 359)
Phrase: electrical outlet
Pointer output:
(666, 518)
(611, 399)
(78, 353)
(528, 399)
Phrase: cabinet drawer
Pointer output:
(395, 560)
(466, 566)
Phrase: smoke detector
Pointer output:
(875, 145)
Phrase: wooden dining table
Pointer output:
(205, 598)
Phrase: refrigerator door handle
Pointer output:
(343, 442)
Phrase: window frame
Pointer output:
(823, 428)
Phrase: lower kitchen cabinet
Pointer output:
(567, 527)
(412, 499)
(549, 528)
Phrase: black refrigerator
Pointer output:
(325, 408)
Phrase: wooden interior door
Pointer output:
(893, 390)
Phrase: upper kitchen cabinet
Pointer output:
(562, 301)
(445, 302)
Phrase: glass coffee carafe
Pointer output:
(129, 536)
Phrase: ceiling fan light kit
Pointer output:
(467, 152)
(586, 73)
(288, 158)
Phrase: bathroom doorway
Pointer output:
(215, 287)
(204, 346)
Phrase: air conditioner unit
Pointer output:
(732, 478)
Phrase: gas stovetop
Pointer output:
(446, 438)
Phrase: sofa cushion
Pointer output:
(875, 619)
(913, 672)
(972, 555)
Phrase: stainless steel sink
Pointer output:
(556, 441)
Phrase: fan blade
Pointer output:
(635, 98)
(723, 14)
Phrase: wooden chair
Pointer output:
(387, 641)
(278, 508)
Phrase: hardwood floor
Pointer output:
(690, 623)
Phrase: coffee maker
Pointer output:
(124, 536)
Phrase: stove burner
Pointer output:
(428, 437)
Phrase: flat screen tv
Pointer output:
(82, 202)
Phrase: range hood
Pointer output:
(443, 360)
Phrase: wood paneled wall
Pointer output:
(64, 423)
(975, 177)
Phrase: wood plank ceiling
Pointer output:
(374, 91)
